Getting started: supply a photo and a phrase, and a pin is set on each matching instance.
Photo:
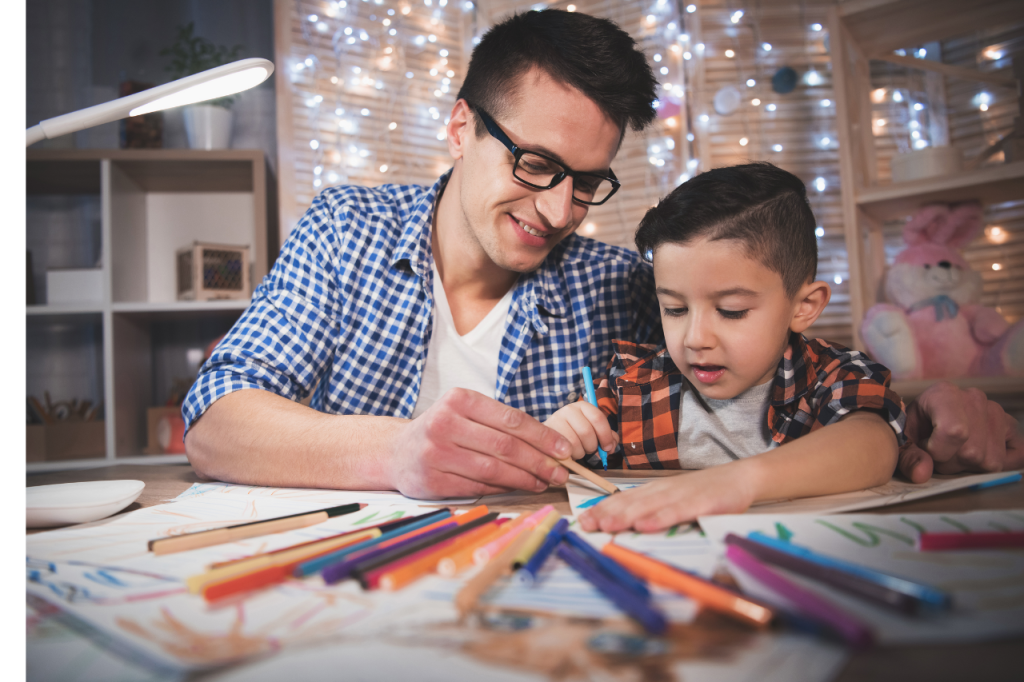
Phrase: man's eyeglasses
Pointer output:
(541, 172)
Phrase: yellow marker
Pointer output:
(536, 539)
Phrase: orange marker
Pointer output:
(397, 577)
(702, 591)
(460, 559)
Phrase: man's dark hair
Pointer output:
(758, 204)
(590, 54)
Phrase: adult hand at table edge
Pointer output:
(469, 444)
(954, 430)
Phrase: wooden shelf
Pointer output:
(64, 309)
(994, 387)
(181, 306)
(880, 26)
(153, 170)
(990, 185)
(62, 465)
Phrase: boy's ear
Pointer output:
(810, 302)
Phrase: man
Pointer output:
(441, 325)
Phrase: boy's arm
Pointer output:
(857, 452)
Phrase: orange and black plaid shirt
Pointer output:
(817, 383)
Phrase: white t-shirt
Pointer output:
(726, 430)
(468, 361)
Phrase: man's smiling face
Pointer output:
(515, 226)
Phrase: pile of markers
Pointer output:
(392, 555)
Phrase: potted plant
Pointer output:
(207, 124)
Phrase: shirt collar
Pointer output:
(793, 377)
(414, 244)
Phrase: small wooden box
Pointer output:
(154, 415)
(65, 440)
(213, 271)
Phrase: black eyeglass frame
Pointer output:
(517, 152)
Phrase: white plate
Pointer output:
(66, 503)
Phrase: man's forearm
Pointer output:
(259, 438)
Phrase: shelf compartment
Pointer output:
(990, 185)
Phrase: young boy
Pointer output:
(735, 257)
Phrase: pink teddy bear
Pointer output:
(933, 326)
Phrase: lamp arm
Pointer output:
(120, 108)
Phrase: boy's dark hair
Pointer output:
(758, 204)
(590, 54)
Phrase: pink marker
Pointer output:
(483, 554)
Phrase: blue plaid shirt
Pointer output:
(349, 304)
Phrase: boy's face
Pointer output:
(726, 316)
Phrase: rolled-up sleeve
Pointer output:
(284, 340)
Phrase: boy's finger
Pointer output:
(599, 420)
(584, 430)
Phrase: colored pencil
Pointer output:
(936, 542)
(537, 536)
(527, 575)
(369, 570)
(398, 547)
(290, 556)
(341, 570)
(705, 592)
(461, 558)
(638, 608)
(808, 603)
(588, 383)
(484, 554)
(575, 467)
(382, 527)
(400, 573)
(615, 571)
(1003, 480)
(255, 577)
(928, 596)
(467, 597)
(841, 580)
(318, 564)
(252, 529)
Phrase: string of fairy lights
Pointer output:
(378, 77)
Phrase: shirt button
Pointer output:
(572, 396)
(634, 446)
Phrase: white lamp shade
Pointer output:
(217, 82)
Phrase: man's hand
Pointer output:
(467, 444)
(957, 430)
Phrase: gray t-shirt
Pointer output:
(713, 432)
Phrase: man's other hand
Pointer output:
(955, 430)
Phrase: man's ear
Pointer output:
(460, 125)
(810, 302)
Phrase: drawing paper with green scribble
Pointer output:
(987, 585)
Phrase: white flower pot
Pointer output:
(208, 126)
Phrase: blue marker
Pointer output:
(926, 594)
(1009, 478)
(588, 381)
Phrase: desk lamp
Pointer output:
(217, 82)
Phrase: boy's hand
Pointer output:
(585, 426)
(671, 501)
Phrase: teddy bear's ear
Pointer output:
(953, 225)
(966, 222)
(928, 222)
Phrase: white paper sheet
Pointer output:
(583, 494)
(987, 586)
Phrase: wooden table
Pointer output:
(989, 661)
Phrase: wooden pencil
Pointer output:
(466, 599)
(577, 468)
